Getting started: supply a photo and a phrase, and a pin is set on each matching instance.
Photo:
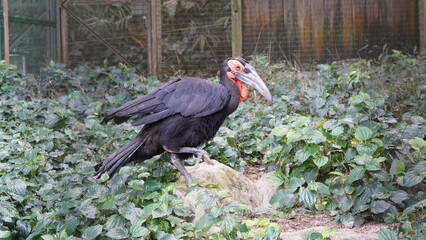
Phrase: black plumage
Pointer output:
(181, 115)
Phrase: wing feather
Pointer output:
(186, 96)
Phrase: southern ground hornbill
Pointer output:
(181, 115)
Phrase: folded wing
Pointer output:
(186, 96)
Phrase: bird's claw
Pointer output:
(206, 159)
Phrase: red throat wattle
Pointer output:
(243, 90)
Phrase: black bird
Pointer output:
(181, 115)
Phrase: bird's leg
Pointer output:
(199, 152)
(180, 167)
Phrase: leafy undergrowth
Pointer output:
(349, 141)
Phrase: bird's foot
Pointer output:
(207, 159)
(176, 162)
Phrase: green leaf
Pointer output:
(294, 183)
(302, 154)
(363, 133)
(319, 102)
(293, 136)
(92, 232)
(356, 174)
(227, 224)
(51, 120)
(283, 199)
(45, 237)
(118, 233)
(205, 222)
(71, 224)
(231, 142)
(337, 131)
(321, 161)
(115, 221)
(89, 211)
(366, 148)
(417, 143)
(136, 184)
(316, 236)
(272, 232)
(379, 206)
(301, 121)
(104, 177)
(374, 164)
(316, 136)
(307, 197)
(362, 159)
(280, 130)
(359, 98)
(167, 237)
(348, 220)
(412, 178)
(313, 149)
(387, 234)
(399, 196)
(5, 233)
(152, 185)
(345, 204)
(276, 179)
(137, 231)
(419, 205)
(328, 231)
(323, 189)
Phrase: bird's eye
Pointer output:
(235, 66)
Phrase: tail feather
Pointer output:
(119, 158)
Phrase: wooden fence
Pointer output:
(195, 35)
(324, 30)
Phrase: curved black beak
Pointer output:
(250, 77)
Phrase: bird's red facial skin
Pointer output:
(237, 67)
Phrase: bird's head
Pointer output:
(240, 71)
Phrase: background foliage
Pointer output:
(346, 138)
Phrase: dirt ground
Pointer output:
(321, 219)
(317, 219)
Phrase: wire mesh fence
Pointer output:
(194, 36)
(323, 31)
(105, 32)
(32, 33)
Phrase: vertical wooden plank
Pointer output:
(422, 25)
(158, 34)
(304, 24)
(49, 42)
(6, 31)
(64, 32)
(149, 21)
(237, 28)
(58, 31)
(277, 29)
(331, 9)
(412, 21)
(154, 37)
(249, 25)
(318, 16)
(347, 29)
(262, 43)
(292, 32)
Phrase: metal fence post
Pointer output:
(237, 28)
